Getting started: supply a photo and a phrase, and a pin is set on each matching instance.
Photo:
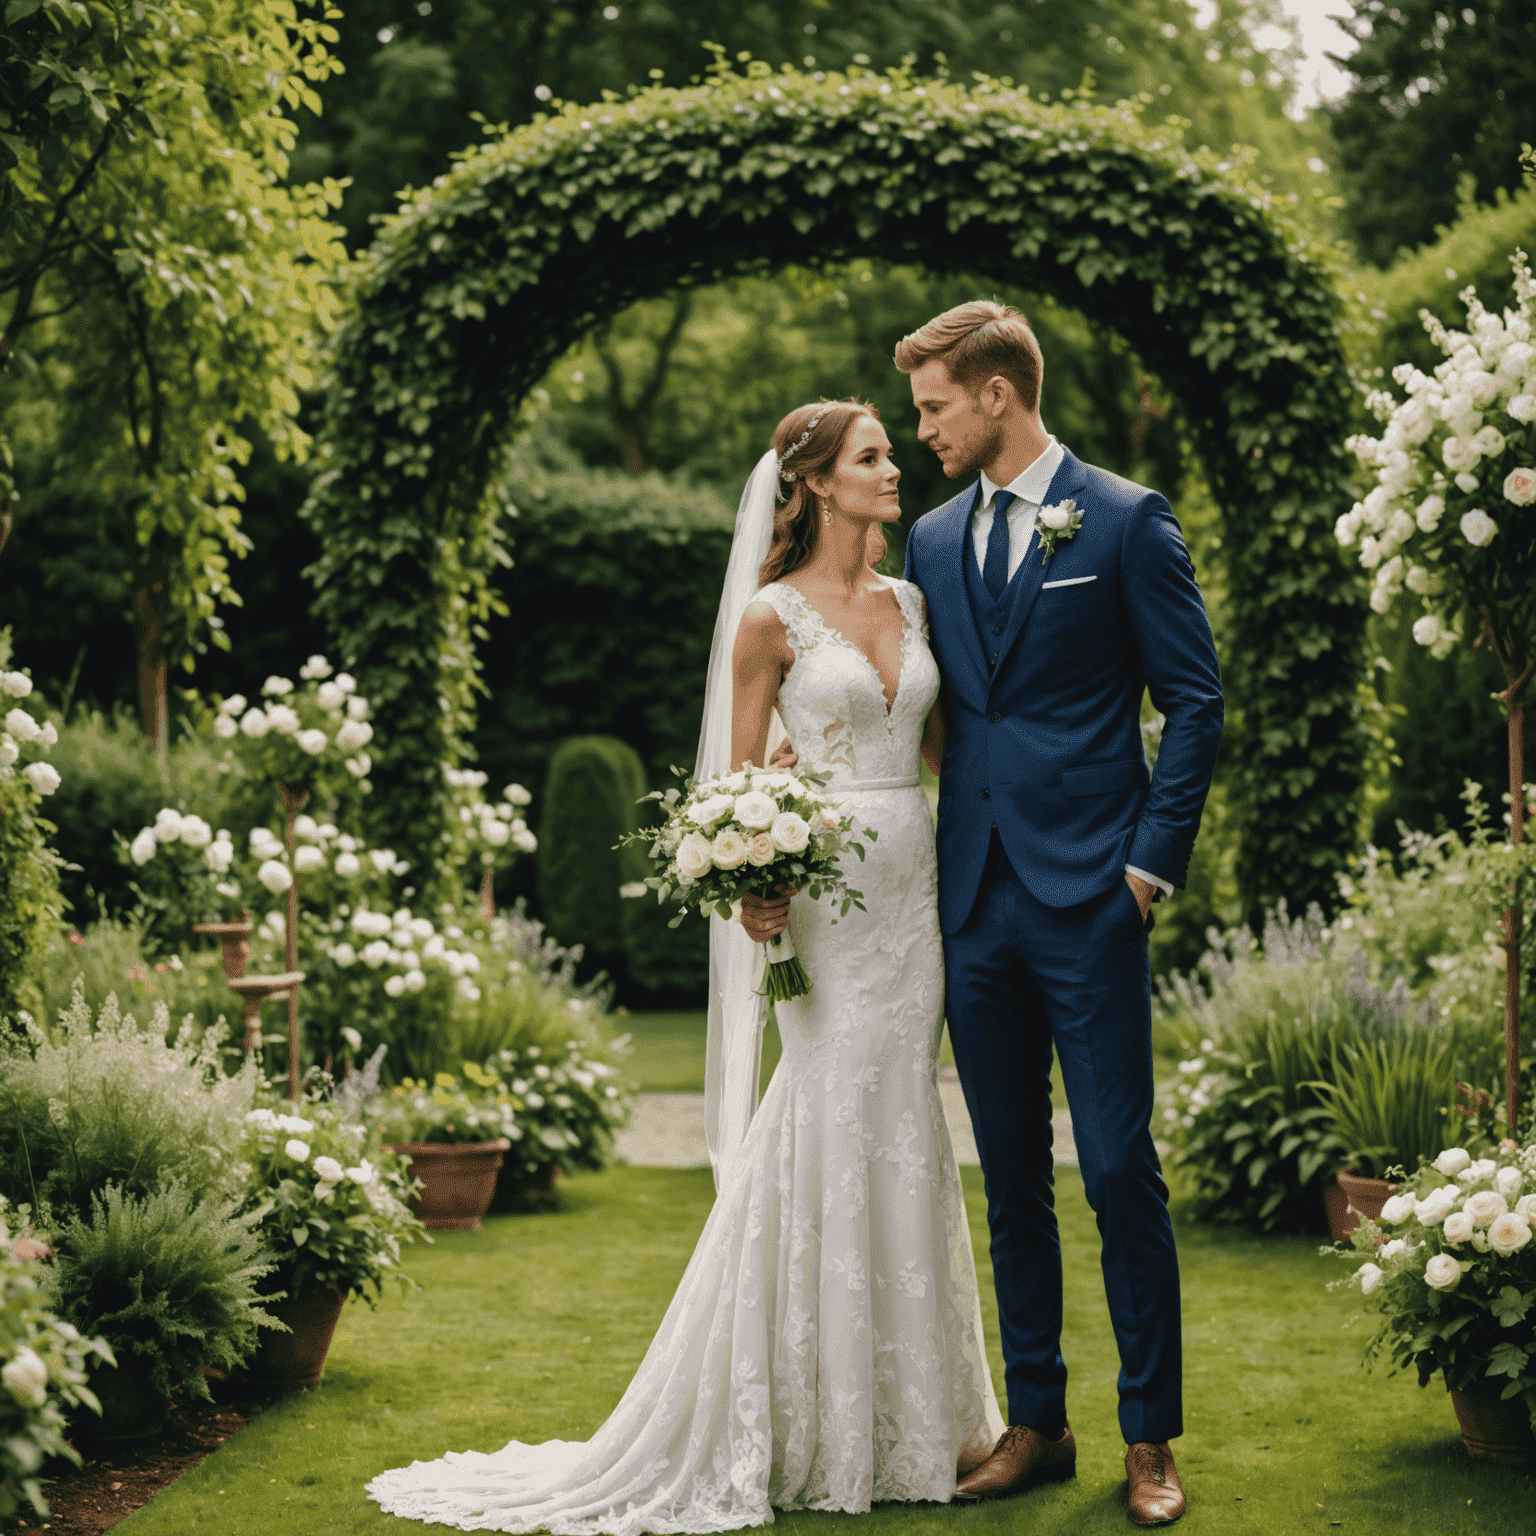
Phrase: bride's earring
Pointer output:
(826, 515)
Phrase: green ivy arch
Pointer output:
(478, 284)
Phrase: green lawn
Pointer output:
(531, 1327)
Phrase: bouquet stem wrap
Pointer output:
(783, 976)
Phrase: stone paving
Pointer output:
(667, 1130)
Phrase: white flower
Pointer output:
(313, 742)
(1508, 1233)
(296, 1149)
(348, 865)
(495, 832)
(142, 849)
(468, 990)
(47, 736)
(358, 766)
(1426, 630)
(255, 724)
(233, 705)
(1345, 529)
(43, 777)
(357, 708)
(307, 859)
(414, 980)
(314, 669)
(344, 955)
(1478, 528)
(1459, 453)
(1468, 482)
(1526, 1206)
(168, 825)
(790, 833)
(362, 1174)
(1370, 1276)
(282, 719)
(1442, 1273)
(195, 832)
(372, 925)
(755, 811)
(354, 734)
(220, 855)
(26, 1377)
(1520, 487)
(351, 1036)
(1398, 1208)
(17, 684)
(1452, 1161)
(694, 855)
(346, 682)
(394, 986)
(375, 954)
(760, 849)
(1508, 1181)
(9, 751)
(1458, 1227)
(1484, 1206)
(22, 726)
(1055, 518)
(330, 697)
(328, 1169)
(1488, 440)
(276, 877)
(1396, 1246)
(1437, 1205)
(1522, 407)
(515, 794)
(1483, 1168)
(1430, 511)
(277, 686)
(383, 859)
(632, 890)
(729, 850)
(263, 1119)
(706, 812)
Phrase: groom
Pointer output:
(1056, 592)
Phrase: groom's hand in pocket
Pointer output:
(1143, 891)
(765, 917)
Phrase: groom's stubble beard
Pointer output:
(981, 445)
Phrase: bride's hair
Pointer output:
(807, 442)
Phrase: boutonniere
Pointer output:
(1056, 525)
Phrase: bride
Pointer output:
(824, 1349)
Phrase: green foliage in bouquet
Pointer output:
(1450, 1272)
(43, 1369)
(326, 1201)
(99, 1101)
(169, 1279)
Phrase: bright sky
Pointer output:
(1312, 24)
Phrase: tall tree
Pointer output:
(1442, 92)
(163, 287)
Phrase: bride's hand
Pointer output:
(784, 755)
(764, 919)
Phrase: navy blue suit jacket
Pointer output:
(1047, 743)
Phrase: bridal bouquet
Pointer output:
(748, 833)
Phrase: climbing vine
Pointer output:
(479, 283)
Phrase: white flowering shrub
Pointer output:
(43, 1369)
(482, 834)
(1447, 521)
(1449, 1271)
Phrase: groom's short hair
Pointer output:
(978, 341)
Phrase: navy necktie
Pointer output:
(994, 569)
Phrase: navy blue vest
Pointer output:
(991, 615)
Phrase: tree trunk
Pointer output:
(1514, 914)
(151, 617)
(293, 802)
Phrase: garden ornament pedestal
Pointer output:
(458, 1180)
(257, 990)
(1350, 1198)
(235, 940)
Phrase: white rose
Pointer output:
(1488, 440)
(694, 856)
(1426, 630)
(276, 877)
(255, 724)
(1478, 528)
(1520, 487)
(1452, 1161)
(220, 855)
(414, 981)
(1459, 453)
(706, 812)
(330, 697)
(755, 811)
(17, 684)
(1054, 518)
(790, 833)
(1437, 1205)
(225, 726)
(383, 859)
(351, 1036)
(9, 751)
(47, 736)
(346, 682)
(142, 849)
(760, 850)
(277, 686)
(1345, 529)
(25, 1377)
(362, 1174)
(1442, 1273)
(316, 667)
(328, 1169)
(354, 734)
(1508, 1233)
(375, 954)
(495, 832)
(1397, 1208)
(22, 726)
(282, 719)
(395, 985)
(515, 794)
(195, 832)
(468, 990)
(1483, 1168)
(1468, 482)
(233, 705)
(313, 742)
(344, 955)
(1508, 1182)
(43, 777)
(348, 865)
(1458, 1227)
(357, 708)
(1370, 1276)
(307, 859)
(1431, 510)
(296, 1149)
(1526, 1206)
(729, 850)
(168, 825)
(1484, 1206)
(1522, 408)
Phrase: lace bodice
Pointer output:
(833, 703)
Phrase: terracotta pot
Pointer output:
(131, 1409)
(1493, 1430)
(296, 1359)
(457, 1179)
(1350, 1197)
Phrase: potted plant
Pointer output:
(332, 1212)
(1450, 1273)
(455, 1135)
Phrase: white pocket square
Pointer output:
(1071, 581)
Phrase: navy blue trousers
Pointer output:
(1023, 979)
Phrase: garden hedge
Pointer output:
(480, 282)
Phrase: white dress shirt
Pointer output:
(1030, 490)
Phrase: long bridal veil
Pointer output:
(733, 1057)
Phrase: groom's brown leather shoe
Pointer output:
(1022, 1458)
(1156, 1495)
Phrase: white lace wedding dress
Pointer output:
(824, 1349)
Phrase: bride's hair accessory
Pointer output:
(796, 446)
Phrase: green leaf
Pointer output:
(1510, 1305)
(1507, 1360)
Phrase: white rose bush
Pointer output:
(1450, 526)
(484, 833)
(748, 833)
(1449, 1271)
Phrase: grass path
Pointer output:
(532, 1327)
